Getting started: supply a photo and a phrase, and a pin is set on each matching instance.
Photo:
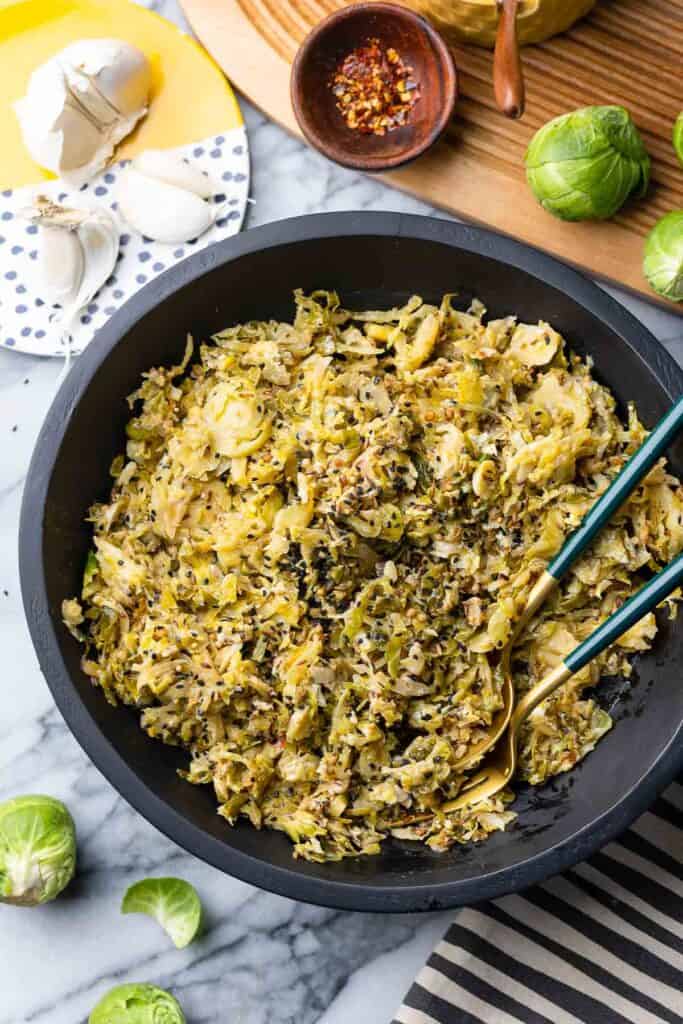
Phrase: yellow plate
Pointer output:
(191, 98)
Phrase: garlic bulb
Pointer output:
(161, 195)
(81, 103)
(78, 250)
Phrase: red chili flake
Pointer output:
(374, 89)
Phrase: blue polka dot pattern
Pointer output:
(33, 325)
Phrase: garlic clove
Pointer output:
(61, 264)
(99, 239)
(161, 211)
(165, 165)
(81, 103)
(78, 251)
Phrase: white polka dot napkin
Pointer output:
(27, 321)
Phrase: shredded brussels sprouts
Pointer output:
(318, 539)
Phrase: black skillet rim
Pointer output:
(286, 882)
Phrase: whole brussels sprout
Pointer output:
(663, 262)
(137, 1003)
(584, 165)
(37, 850)
(678, 136)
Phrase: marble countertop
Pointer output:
(262, 959)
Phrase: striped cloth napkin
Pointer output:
(600, 944)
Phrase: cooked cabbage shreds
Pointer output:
(319, 535)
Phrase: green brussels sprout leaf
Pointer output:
(663, 261)
(91, 567)
(37, 850)
(584, 165)
(170, 901)
(678, 136)
(137, 1003)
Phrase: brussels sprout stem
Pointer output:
(24, 880)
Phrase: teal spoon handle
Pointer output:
(638, 466)
(642, 602)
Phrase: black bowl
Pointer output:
(373, 259)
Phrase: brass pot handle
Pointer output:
(508, 80)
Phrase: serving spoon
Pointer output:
(500, 766)
(623, 485)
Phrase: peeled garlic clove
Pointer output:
(163, 212)
(61, 262)
(165, 165)
(81, 103)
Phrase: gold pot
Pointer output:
(476, 21)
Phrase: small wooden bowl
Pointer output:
(320, 54)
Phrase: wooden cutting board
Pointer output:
(626, 51)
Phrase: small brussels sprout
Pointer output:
(678, 136)
(663, 262)
(137, 1003)
(584, 165)
(37, 850)
(172, 902)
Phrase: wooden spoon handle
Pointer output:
(508, 80)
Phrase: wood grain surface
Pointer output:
(626, 51)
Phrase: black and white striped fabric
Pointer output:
(601, 944)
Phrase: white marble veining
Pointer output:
(262, 959)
